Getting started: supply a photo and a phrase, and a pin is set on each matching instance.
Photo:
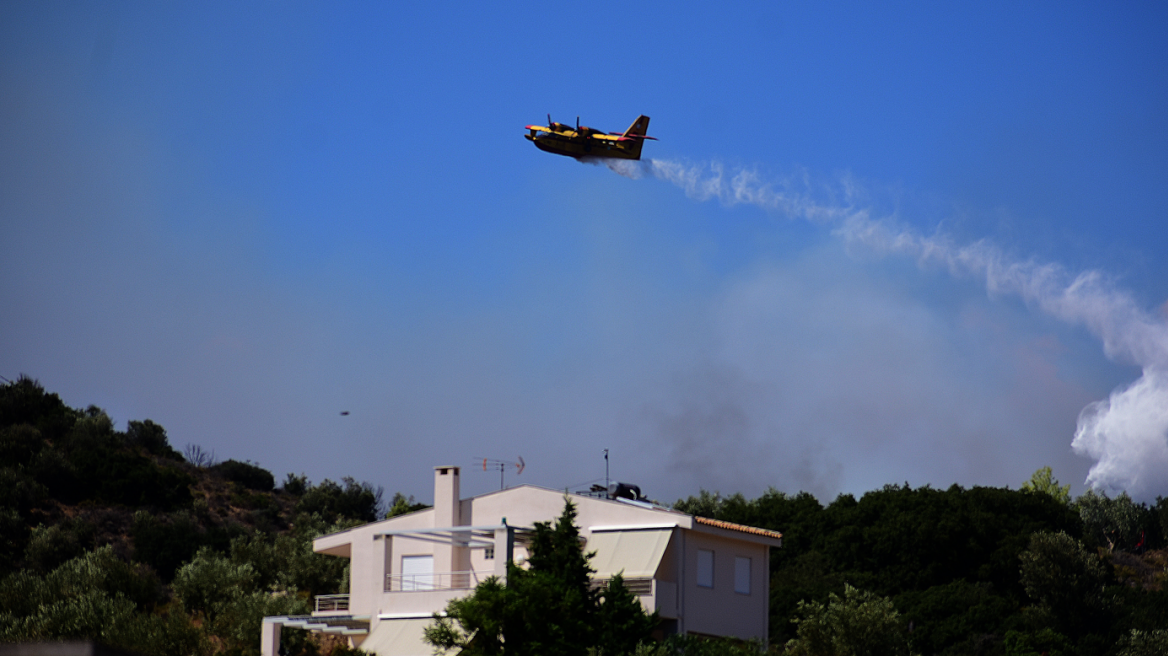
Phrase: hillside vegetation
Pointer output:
(116, 536)
(968, 571)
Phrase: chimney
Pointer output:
(446, 499)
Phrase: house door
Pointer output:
(417, 573)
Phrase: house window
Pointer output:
(742, 575)
(417, 573)
(705, 568)
(489, 553)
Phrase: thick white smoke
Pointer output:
(1127, 434)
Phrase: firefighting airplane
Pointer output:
(586, 142)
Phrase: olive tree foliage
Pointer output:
(1144, 643)
(549, 607)
(1114, 523)
(50, 546)
(693, 645)
(210, 580)
(1067, 581)
(353, 500)
(287, 561)
(1044, 482)
(95, 596)
(230, 599)
(857, 624)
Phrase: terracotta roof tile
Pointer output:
(731, 526)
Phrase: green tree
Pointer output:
(165, 542)
(1044, 642)
(238, 620)
(1043, 482)
(695, 645)
(248, 474)
(25, 401)
(211, 581)
(1114, 523)
(1144, 643)
(621, 621)
(287, 562)
(1067, 581)
(857, 624)
(50, 546)
(295, 485)
(400, 504)
(360, 501)
(954, 616)
(151, 437)
(99, 597)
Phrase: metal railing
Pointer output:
(332, 602)
(640, 586)
(436, 581)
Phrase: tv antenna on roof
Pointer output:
(491, 464)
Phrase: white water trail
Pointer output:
(1126, 434)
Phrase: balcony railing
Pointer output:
(332, 602)
(436, 581)
(640, 586)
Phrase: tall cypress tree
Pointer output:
(549, 607)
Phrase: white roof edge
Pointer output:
(451, 529)
(633, 527)
(368, 525)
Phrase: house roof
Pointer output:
(742, 528)
(337, 544)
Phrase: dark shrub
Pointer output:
(51, 546)
(25, 402)
(295, 485)
(165, 542)
(131, 479)
(247, 474)
(151, 437)
(19, 443)
(355, 500)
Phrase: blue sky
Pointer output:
(240, 219)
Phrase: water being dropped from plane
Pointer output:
(1126, 435)
(632, 169)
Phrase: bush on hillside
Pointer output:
(359, 501)
(151, 437)
(247, 474)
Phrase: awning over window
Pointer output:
(637, 553)
(400, 637)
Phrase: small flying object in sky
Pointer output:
(584, 141)
(344, 413)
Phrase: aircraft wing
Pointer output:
(621, 137)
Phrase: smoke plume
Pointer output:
(1126, 435)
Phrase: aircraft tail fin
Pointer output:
(639, 126)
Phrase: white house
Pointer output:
(702, 576)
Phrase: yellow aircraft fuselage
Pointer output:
(583, 142)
